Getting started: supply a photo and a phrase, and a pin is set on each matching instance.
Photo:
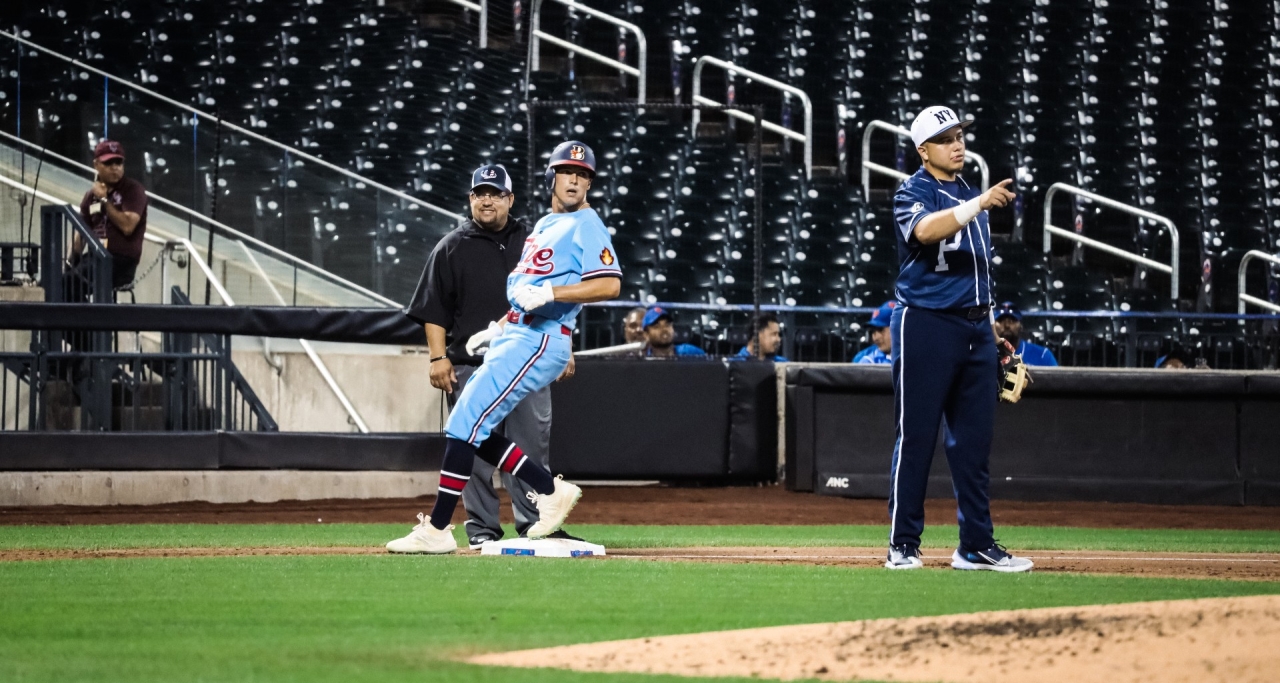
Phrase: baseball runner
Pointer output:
(463, 288)
(568, 260)
(944, 349)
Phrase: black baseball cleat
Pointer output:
(995, 559)
(562, 534)
(480, 539)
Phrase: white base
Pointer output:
(543, 547)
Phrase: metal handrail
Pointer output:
(308, 349)
(227, 300)
(1248, 298)
(1051, 230)
(806, 137)
(233, 127)
(537, 35)
(483, 9)
(231, 232)
(868, 166)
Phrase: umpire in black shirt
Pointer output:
(463, 289)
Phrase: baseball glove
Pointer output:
(1011, 373)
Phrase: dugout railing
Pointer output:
(1100, 339)
(92, 381)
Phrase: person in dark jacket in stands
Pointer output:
(463, 289)
(115, 209)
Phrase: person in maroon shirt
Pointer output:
(115, 209)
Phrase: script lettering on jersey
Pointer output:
(535, 260)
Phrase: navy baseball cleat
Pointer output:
(994, 559)
(903, 557)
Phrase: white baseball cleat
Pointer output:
(995, 559)
(553, 508)
(425, 539)
(903, 557)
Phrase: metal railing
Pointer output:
(1109, 338)
(237, 129)
(1051, 230)
(805, 138)
(481, 8)
(219, 228)
(311, 354)
(537, 35)
(191, 385)
(66, 240)
(1249, 298)
(51, 271)
(869, 167)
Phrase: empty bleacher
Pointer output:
(1167, 106)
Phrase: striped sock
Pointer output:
(506, 456)
(455, 471)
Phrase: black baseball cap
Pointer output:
(493, 175)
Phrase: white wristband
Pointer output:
(967, 211)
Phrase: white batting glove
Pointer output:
(478, 344)
(529, 297)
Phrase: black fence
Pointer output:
(91, 380)
(75, 266)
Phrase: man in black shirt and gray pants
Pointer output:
(463, 289)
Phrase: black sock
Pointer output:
(506, 456)
(455, 471)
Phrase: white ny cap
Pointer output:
(935, 120)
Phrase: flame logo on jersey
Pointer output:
(606, 257)
(577, 153)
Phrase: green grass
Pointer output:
(385, 619)
(938, 536)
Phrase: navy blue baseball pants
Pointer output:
(944, 369)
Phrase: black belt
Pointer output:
(970, 313)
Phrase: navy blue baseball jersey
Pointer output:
(953, 273)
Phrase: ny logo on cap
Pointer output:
(943, 115)
(489, 174)
(577, 153)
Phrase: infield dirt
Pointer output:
(1235, 566)
(671, 505)
(1221, 640)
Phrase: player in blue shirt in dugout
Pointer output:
(660, 336)
(881, 337)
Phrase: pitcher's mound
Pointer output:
(1232, 640)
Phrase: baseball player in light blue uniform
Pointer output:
(568, 260)
(944, 348)
(881, 337)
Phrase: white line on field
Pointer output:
(1114, 558)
